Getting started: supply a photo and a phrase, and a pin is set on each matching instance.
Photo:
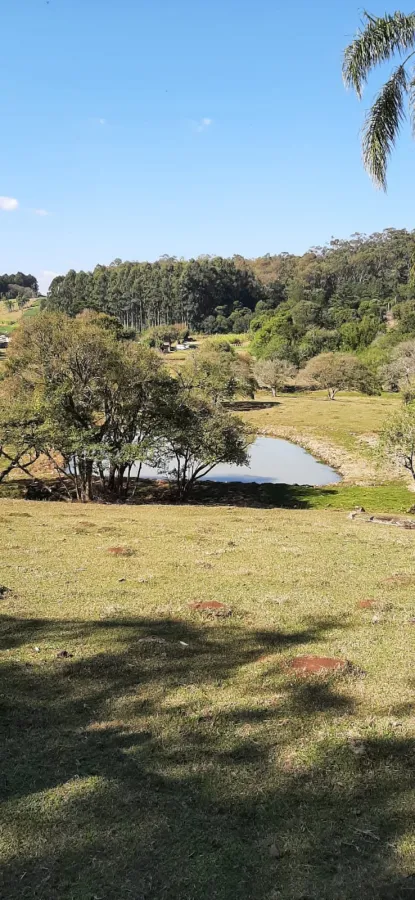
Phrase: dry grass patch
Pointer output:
(172, 755)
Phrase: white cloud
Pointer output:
(102, 121)
(8, 204)
(204, 124)
(41, 212)
(44, 278)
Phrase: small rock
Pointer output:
(375, 620)
(183, 644)
(64, 654)
(37, 649)
(3, 591)
(122, 579)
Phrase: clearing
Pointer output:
(173, 754)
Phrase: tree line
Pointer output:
(18, 285)
(345, 288)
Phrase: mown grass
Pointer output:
(174, 756)
(346, 421)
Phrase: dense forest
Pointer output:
(340, 296)
(19, 284)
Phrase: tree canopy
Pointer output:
(332, 297)
(96, 407)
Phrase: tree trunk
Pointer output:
(85, 471)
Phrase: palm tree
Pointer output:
(379, 40)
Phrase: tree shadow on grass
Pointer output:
(142, 768)
(215, 493)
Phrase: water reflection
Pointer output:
(272, 461)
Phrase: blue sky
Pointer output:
(144, 127)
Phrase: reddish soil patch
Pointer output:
(120, 551)
(317, 665)
(213, 607)
(366, 604)
(400, 580)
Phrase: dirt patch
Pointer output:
(317, 665)
(121, 551)
(399, 580)
(211, 607)
(392, 520)
(366, 604)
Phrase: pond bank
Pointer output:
(354, 469)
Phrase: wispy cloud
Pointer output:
(8, 204)
(102, 121)
(204, 124)
(40, 212)
(44, 278)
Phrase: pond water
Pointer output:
(272, 461)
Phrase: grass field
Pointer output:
(174, 755)
(343, 432)
(9, 319)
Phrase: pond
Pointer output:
(272, 461)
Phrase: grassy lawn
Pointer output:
(346, 420)
(342, 432)
(174, 755)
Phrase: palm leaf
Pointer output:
(380, 39)
(382, 125)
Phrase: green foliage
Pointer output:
(381, 39)
(19, 284)
(210, 293)
(95, 398)
(397, 440)
(217, 371)
(197, 435)
(340, 372)
(335, 297)
(273, 374)
(95, 405)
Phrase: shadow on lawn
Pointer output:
(157, 797)
(215, 493)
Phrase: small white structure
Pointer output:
(4, 341)
(183, 346)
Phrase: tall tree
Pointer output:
(379, 40)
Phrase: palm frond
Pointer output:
(411, 95)
(379, 40)
(382, 125)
